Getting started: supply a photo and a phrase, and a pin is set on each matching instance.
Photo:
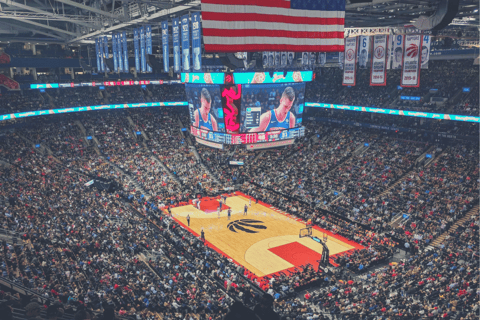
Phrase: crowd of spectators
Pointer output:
(91, 248)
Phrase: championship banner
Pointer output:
(397, 58)
(349, 65)
(148, 44)
(363, 52)
(119, 53)
(100, 46)
(137, 49)
(378, 72)
(196, 41)
(411, 61)
(106, 54)
(97, 53)
(389, 51)
(114, 49)
(143, 62)
(425, 52)
(186, 42)
(165, 47)
(176, 44)
(125, 51)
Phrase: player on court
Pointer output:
(245, 209)
(203, 118)
(250, 202)
(218, 210)
(229, 212)
(280, 118)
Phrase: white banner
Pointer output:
(397, 58)
(378, 74)
(425, 52)
(349, 65)
(363, 52)
(322, 58)
(389, 50)
(411, 61)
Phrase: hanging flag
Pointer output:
(119, 53)
(148, 44)
(125, 51)
(349, 64)
(425, 52)
(136, 38)
(411, 61)
(176, 44)
(102, 63)
(196, 41)
(186, 42)
(397, 52)
(273, 25)
(114, 49)
(143, 62)
(389, 51)
(165, 47)
(363, 52)
(106, 54)
(97, 54)
(378, 72)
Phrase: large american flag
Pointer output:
(273, 25)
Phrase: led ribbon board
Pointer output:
(277, 77)
(419, 114)
(203, 78)
(100, 83)
(27, 114)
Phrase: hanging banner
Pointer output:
(389, 51)
(143, 62)
(114, 48)
(106, 54)
(165, 47)
(397, 59)
(349, 65)
(98, 55)
(322, 58)
(100, 45)
(125, 52)
(148, 44)
(425, 52)
(283, 59)
(378, 72)
(176, 44)
(411, 61)
(136, 45)
(305, 58)
(186, 42)
(363, 52)
(196, 41)
(119, 53)
(271, 59)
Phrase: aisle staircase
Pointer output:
(439, 240)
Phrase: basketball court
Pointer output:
(265, 241)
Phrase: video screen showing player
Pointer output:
(270, 107)
(205, 107)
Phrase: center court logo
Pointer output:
(246, 225)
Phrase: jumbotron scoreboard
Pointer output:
(255, 109)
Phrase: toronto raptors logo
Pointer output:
(412, 50)
(379, 52)
(350, 54)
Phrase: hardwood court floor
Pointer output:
(251, 249)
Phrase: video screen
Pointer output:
(205, 106)
(271, 107)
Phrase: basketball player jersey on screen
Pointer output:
(207, 125)
(277, 125)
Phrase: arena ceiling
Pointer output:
(80, 21)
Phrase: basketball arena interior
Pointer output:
(239, 159)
